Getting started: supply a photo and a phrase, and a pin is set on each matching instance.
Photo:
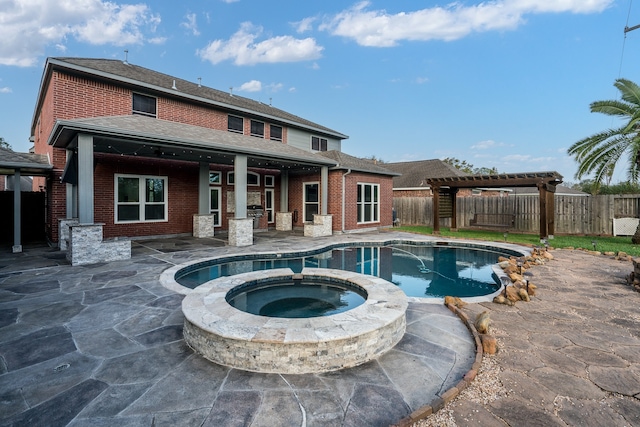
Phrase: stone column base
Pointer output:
(64, 232)
(240, 231)
(322, 226)
(203, 225)
(87, 247)
(284, 221)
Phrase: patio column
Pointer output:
(85, 179)
(284, 191)
(71, 194)
(240, 227)
(203, 189)
(324, 189)
(17, 210)
(240, 176)
(203, 224)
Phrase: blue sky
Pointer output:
(502, 83)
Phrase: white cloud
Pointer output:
(5, 90)
(487, 145)
(191, 24)
(230, 1)
(251, 86)
(157, 40)
(522, 158)
(275, 87)
(304, 25)
(421, 80)
(242, 48)
(30, 26)
(454, 21)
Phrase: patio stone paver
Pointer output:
(570, 357)
(102, 345)
(567, 358)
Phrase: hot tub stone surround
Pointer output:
(231, 337)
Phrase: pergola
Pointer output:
(546, 183)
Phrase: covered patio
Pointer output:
(143, 137)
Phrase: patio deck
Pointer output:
(102, 345)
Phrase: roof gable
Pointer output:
(416, 173)
(345, 161)
(135, 76)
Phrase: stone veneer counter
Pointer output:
(230, 337)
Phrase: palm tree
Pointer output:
(599, 153)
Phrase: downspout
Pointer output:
(344, 196)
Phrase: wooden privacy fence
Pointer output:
(573, 214)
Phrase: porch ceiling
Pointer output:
(149, 137)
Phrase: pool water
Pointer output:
(295, 299)
(419, 270)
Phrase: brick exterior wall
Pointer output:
(335, 198)
(68, 97)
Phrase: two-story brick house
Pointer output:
(141, 153)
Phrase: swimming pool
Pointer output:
(420, 270)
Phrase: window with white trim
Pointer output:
(318, 144)
(140, 198)
(269, 180)
(215, 203)
(252, 178)
(368, 203)
(257, 128)
(235, 124)
(144, 105)
(215, 178)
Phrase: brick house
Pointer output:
(139, 153)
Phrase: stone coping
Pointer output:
(167, 278)
(231, 337)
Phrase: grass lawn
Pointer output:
(603, 243)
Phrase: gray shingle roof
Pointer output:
(29, 162)
(141, 129)
(134, 75)
(346, 161)
(415, 174)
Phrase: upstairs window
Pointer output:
(144, 105)
(235, 124)
(318, 144)
(275, 133)
(257, 128)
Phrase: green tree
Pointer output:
(4, 144)
(468, 167)
(459, 164)
(598, 154)
(486, 171)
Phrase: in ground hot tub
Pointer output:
(235, 338)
